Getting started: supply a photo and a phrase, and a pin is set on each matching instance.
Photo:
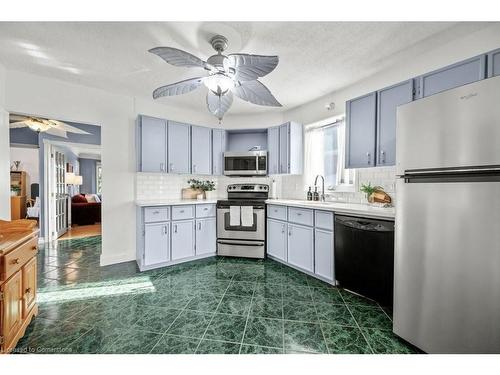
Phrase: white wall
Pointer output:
(4, 152)
(29, 164)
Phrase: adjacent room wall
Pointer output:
(29, 163)
(88, 173)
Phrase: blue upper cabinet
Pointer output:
(201, 150)
(219, 146)
(360, 131)
(493, 63)
(388, 100)
(273, 150)
(152, 147)
(179, 147)
(459, 74)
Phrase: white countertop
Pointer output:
(172, 202)
(341, 208)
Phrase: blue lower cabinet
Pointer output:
(183, 237)
(323, 254)
(277, 239)
(156, 243)
(301, 247)
(206, 233)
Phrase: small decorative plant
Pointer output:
(15, 189)
(368, 189)
(205, 185)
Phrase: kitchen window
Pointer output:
(325, 155)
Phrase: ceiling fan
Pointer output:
(227, 75)
(41, 125)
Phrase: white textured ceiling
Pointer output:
(316, 58)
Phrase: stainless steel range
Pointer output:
(241, 221)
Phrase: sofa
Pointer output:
(84, 212)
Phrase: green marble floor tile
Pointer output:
(294, 278)
(190, 324)
(62, 311)
(217, 286)
(297, 293)
(132, 341)
(236, 305)
(344, 340)
(171, 300)
(264, 332)
(267, 308)
(156, 319)
(337, 314)
(383, 341)
(354, 299)
(169, 344)
(204, 302)
(226, 328)
(217, 347)
(317, 283)
(370, 317)
(241, 288)
(298, 310)
(254, 349)
(306, 337)
(268, 290)
(94, 341)
(327, 295)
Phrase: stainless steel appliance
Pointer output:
(239, 240)
(447, 252)
(248, 163)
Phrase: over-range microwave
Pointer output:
(248, 163)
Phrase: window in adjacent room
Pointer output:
(325, 155)
(98, 179)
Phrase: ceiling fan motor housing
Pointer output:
(219, 43)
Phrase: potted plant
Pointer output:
(15, 190)
(201, 186)
(368, 189)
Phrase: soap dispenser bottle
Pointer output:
(309, 194)
(315, 194)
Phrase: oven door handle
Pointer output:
(241, 244)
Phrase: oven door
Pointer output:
(245, 164)
(254, 233)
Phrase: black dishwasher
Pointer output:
(364, 257)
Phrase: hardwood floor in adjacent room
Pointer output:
(81, 231)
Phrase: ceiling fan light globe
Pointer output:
(219, 83)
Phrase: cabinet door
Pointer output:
(12, 309)
(388, 101)
(179, 148)
(156, 243)
(300, 247)
(218, 149)
(452, 76)
(284, 148)
(29, 286)
(206, 233)
(494, 63)
(276, 238)
(153, 144)
(182, 239)
(273, 150)
(323, 254)
(360, 131)
(201, 150)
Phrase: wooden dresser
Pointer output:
(18, 267)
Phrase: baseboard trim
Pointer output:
(115, 259)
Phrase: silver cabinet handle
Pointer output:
(164, 229)
(205, 209)
(156, 212)
(175, 228)
(181, 211)
(369, 157)
(299, 213)
(283, 228)
(199, 225)
(171, 167)
(289, 231)
(382, 153)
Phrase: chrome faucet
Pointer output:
(322, 196)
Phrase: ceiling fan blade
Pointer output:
(68, 128)
(219, 105)
(251, 67)
(57, 131)
(177, 57)
(178, 88)
(17, 118)
(255, 92)
(18, 124)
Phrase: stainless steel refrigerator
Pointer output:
(447, 244)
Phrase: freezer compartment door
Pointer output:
(447, 266)
(456, 128)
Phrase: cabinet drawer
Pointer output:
(14, 260)
(205, 210)
(323, 220)
(276, 212)
(300, 216)
(155, 214)
(182, 212)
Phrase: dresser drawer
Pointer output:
(14, 260)
(302, 216)
(276, 212)
(205, 210)
(323, 220)
(182, 212)
(155, 214)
